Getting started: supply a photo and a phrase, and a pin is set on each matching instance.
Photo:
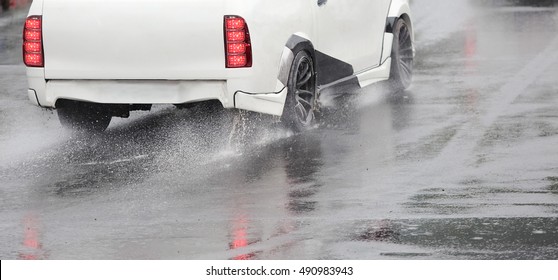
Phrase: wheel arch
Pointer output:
(400, 9)
(296, 43)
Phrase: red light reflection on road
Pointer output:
(32, 246)
(470, 51)
(240, 237)
(470, 47)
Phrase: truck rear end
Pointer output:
(137, 52)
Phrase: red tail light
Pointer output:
(238, 49)
(33, 42)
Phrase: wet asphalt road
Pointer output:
(463, 165)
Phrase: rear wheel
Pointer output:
(83, 116)
(401, 72)
(300, 106)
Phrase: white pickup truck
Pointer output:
(96, 59)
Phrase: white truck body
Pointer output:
(172, 51)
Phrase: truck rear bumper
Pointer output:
(134, 92)
(153, 92)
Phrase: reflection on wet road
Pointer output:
(464, 165)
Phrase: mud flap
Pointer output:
(380, 73)
(266, 103)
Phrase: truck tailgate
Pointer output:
(133, 39)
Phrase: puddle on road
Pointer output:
(468, 238)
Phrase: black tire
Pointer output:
(300, 106)
(83, 116)
(5, 4)
(401, 72)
